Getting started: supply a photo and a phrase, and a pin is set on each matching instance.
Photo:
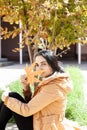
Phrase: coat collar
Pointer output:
(45, 81)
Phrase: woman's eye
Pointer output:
(43, 64)
(36, 65)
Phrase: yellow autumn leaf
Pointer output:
(14, 35)
(32, 75)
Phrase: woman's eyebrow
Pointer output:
(40, 62)
(43, 61)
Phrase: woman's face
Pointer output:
(41, 64)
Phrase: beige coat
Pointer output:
(48, 104)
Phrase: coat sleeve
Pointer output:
(46, 96)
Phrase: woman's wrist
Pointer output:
(4, 95)
(25, 88)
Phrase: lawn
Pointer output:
(76, 107)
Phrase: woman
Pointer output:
(48, 103)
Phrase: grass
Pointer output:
(76, 107)
(15, 86)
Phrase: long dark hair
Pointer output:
(51, 59)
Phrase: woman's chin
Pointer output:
(43, 75)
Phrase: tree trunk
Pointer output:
(30, 53)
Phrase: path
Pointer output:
(10, 73)
(11, 127)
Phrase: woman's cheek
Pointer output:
(43, 74)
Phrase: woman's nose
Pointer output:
(40, 67)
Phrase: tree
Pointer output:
(59, 23)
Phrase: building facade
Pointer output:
(76, 52)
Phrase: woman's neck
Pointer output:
(50, 74)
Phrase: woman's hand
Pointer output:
(4, 95)
(26, 88)
(23, 80)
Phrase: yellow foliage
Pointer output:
(32, 75)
